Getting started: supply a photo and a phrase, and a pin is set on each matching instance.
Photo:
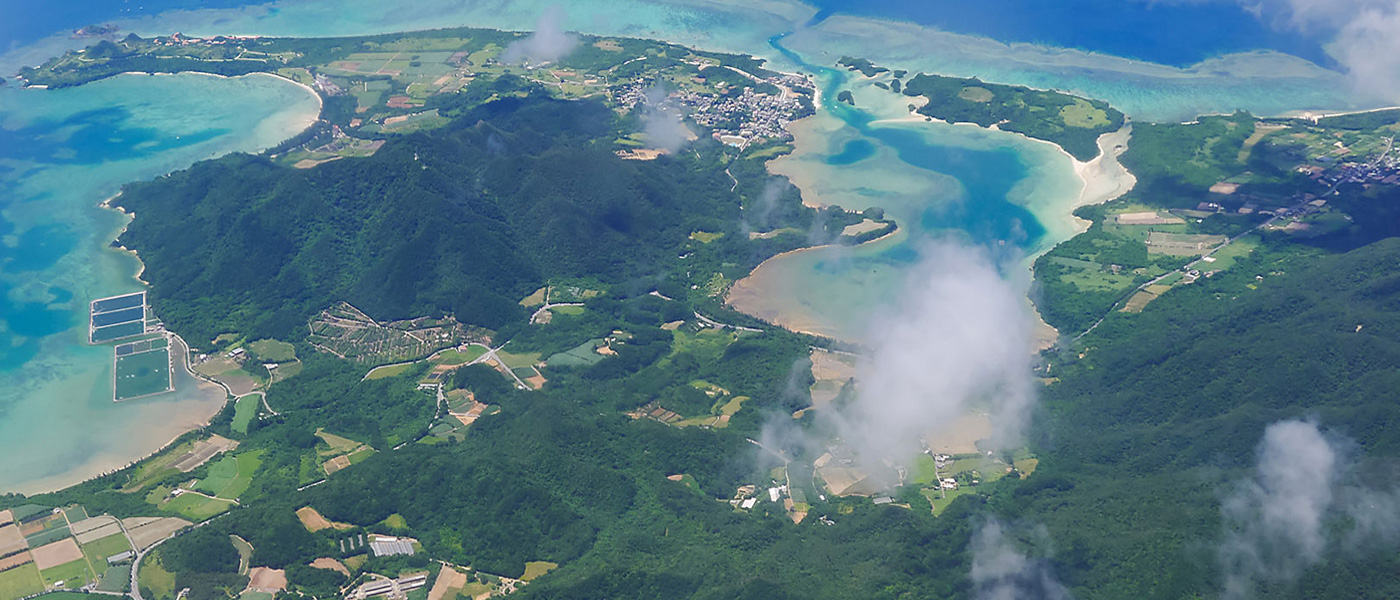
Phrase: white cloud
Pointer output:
(548, 43)
(1001, 571)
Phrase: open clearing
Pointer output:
(145, 531)
(58, 553)
(20, 582)
(1182, 244)
(244, 411)
(330, 564)
(536, 568)
(202, 452)
(388, 371)
(263, 579)
(11, 540)
(273, 351)
(961, 436)
(99, 550)
(96, 528)
(449, 582)
(313, 521)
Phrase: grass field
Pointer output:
(582, 355)
(116, 579)
(452, 356)
(517, 361)
(941, 503)
(360, 455)
(337, 443)
(1084, 115)
(1227, 256)
(97, 551)
(73, 575)
(245, 553)
(231, 476)
(142, 374)
(396, 521)
(572, 311)
(924, 470)
(388, 371)
(20, 582)
(474, 589)
(195, 507)
(273, 351)
(244, 411)
(154, 577)
(705, 237)
(536, 568)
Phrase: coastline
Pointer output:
(196, 400)
(1100, 180)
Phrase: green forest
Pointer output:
(464, 220)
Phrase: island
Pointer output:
(1070, 122)
(472, 332)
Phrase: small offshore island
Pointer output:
(475, 328)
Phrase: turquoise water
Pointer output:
(61, 153)
(937, 180)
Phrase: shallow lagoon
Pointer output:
(61, 153)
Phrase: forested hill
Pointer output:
(1163, 411)
(463, 220)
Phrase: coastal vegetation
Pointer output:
(1070, 122)
(571, 404)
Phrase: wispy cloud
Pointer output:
(548, 43)
(1301, 503)
(1003, 571)
(958, 340)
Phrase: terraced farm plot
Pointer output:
(348, 333)
(143, 374)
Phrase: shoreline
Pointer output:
(113, 460)
(1101, 179)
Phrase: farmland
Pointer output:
(348, 333)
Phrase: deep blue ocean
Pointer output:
(1173, 33)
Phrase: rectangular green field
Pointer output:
(116, 579)
(20, 581)
(143, 374)
(195, 507)
(452, 356)
(73, 575)
(244, 411)
(97, 551)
